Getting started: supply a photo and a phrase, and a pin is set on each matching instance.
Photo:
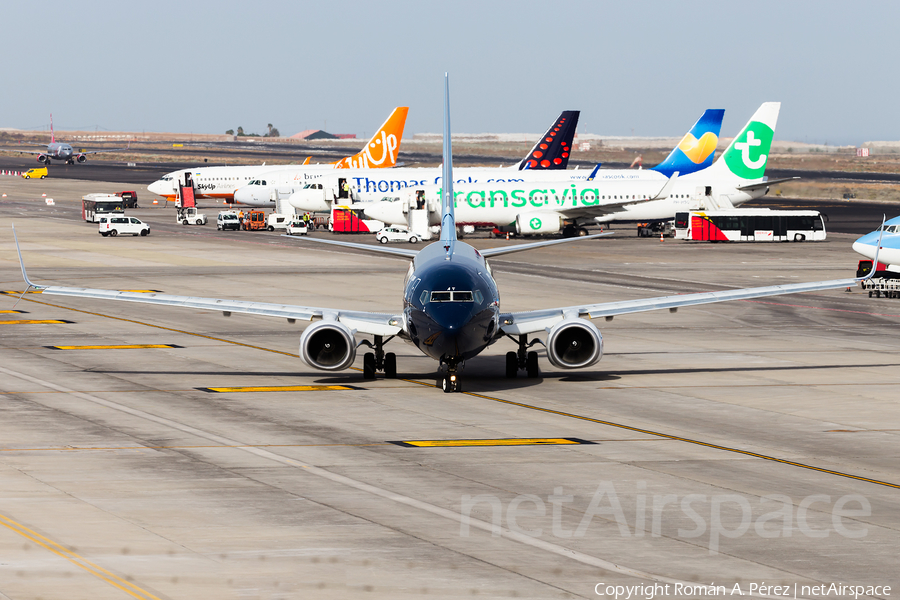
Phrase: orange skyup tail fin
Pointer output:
(381, 151)
(306, 162)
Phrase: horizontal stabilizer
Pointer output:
(355, 246)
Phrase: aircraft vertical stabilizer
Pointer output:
(695, 150)
(381, 151)
(552, 151)
(746, 157)
(448, 213)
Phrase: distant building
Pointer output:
(318, 134)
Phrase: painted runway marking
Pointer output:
(523, 405)
(114, 347)
(499, 442)
(280, 388)
(37, 322)
(80, 561)
(6, 312)
(15, 293)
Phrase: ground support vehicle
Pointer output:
(38, 173)
(297, 227)
(254, 220)
(227, 219)
(129, 199)
(277, 221)
(113, 225)
(395, 234)
(190, 216)
(750, 225)
(883, 284)
(656, 228)
(93, 206)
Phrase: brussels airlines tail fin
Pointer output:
(695, 150)
(553, 149)
(381, 151)
(745, 159)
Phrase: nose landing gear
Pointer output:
(449, 380)
(379, 360)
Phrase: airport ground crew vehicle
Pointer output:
(254, 220)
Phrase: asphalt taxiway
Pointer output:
(152, 452)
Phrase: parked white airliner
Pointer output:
(450, 308)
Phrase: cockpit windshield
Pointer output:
(452, 296)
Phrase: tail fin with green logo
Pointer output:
(746, 157)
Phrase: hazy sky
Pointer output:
(647, 67)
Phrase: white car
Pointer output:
(297, 227)
(227, 219)
(115, 224)
(395, 234)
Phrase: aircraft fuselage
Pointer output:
(451, 303)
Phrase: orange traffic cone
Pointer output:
(661, 237)
(507, 236)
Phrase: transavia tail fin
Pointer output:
(695, 150)
(746, 157)
(381, 151)
(552, 151)
(448, 213)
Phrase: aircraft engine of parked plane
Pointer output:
(538, 222)
(574, 344)
(328, 345)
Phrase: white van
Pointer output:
(115, 224)
(277, 221)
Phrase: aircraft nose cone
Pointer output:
(155, 188)
(867, 250)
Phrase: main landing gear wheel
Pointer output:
(390, 365)
(378, 360)
(531, 365)
(369, 366)
(523, 360)
(512, 365)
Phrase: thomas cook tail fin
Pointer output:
(745, 159)
(696, 149)
(381, 151)
(553, 149)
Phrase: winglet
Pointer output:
(448, 214)
(667, 189)
(28, 282)
(877, 250)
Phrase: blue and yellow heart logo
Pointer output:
(698, 150)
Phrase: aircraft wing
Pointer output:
(365, 322)
(366, 247)
(538, 320)
(102, 151)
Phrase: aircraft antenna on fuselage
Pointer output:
(448, 216)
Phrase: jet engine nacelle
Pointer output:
(42, 158)
(574, 344)
(538, 222)
(81, 158)
(328, 346)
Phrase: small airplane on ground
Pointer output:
(451, 307)
(60, 151)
